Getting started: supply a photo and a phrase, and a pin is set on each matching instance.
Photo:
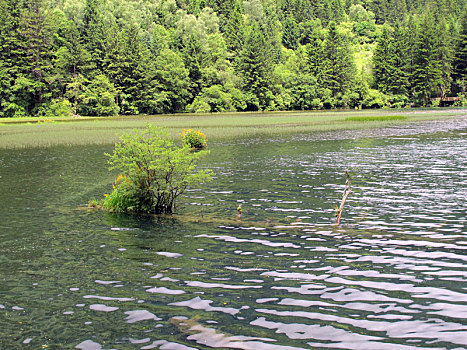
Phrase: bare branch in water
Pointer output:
(347, 190)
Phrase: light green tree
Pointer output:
(155, 172)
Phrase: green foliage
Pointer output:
(166, 56)
(375, 99)
(428, 58)
(174, 80)
(59, 108)
(194, 139)
(99, 98)
(217, 99)
(123, 198)
(254, 66)
(291, 35)
(460, 61)
(155, 172)
(338, 71)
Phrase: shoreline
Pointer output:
(32, 133)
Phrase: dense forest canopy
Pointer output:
(104, 57)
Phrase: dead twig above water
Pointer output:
(347, 190)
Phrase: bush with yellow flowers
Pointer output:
(123, 197)
(194, 139)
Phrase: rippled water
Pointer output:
(283, 277)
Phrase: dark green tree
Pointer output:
(192, 55)
(96, 35)
(9, 54)
(390, 63)
(315, 51)
(34, 60)
(291, 34)
(130, 67)
(460, 61)
(427, 72)
(338, 66)
(234, 28)
(254, 66)
(383, 67)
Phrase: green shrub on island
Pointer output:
(154, 172)
(194, 139)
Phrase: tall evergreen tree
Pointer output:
(9, 54)
(291, 33)
(191, 53)
(234, 28)
(427, 73)
(382, 62)
(130, 67)
(95, 35)
(460, 61)
(315, 52)
(254, 66)
(389, 64)
(35, 61)
(338, 65)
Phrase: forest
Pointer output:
(108, 57)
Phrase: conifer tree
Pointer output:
(254, 66)
(383, 66)
(234, 28)
(315, 52)
(9, 53)
(95, 35)
(427, 74)
(35, 60)
(389, 64)
(460, 61)
(191, 53)
(291, 34)
(338, 65)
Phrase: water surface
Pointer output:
(283, 277)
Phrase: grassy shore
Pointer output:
(40, 132)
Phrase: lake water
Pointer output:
(283, 277)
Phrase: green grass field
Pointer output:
(40, 132)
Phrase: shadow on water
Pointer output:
(281, 278)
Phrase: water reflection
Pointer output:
(283, 277)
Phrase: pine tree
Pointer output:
(74, 58)
(9, 53)
(389, 62)
(444, 55)
(95, 35)
(130, 67)
(338, 65)
(234, 28)
(315, 52)
(191, 53)
(35, 63)
(254, 66)
(383, 65)
(291, 33)
(460, 61)
(427, 73)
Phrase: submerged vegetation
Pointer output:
(154, 172)
(375, 118)
(29, 132)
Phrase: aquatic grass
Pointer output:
(376, 118)
(94, 131)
